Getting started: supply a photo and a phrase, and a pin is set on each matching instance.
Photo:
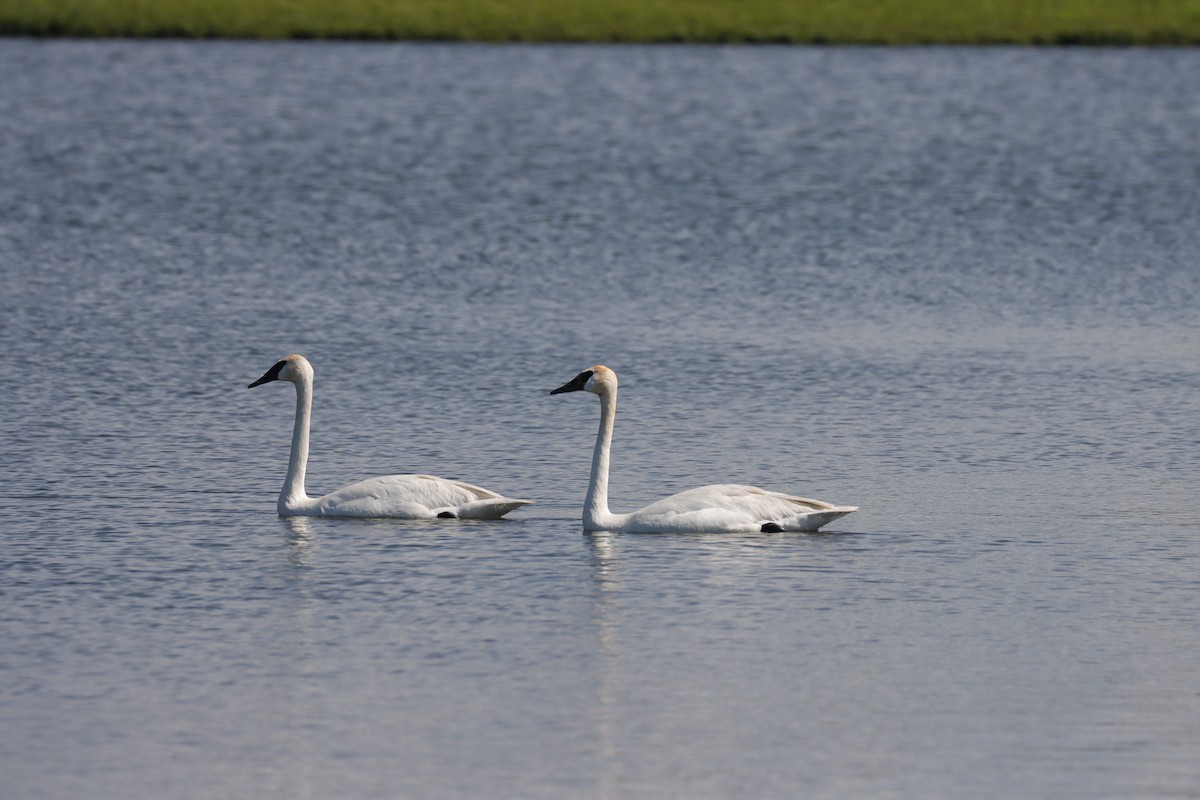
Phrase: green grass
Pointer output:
(1125, 22)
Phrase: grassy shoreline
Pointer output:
(884, 22)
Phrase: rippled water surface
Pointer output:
(955, 287)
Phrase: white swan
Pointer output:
(397, 496)
(721, 508)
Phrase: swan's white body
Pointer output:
(396, 496)
(720, 508)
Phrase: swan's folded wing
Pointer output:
(396, 496)
(789, 512)
(413, 497)
(475, 492)
(753, 501)
(484, 505)
(734, 507)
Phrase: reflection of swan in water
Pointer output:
(610, 682)
(396, 496)
(720, 508)
(301, 537)
(604, 559)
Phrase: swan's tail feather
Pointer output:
(489, 509)
(814, 520)
(819, 505)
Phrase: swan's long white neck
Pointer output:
(293, 496)
(596, 515)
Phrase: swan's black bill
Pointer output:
(270, 375)
(577, 383)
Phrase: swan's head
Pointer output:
(598, 379)
(292, 368)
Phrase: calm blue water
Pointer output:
(958, 288)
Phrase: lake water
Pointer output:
(955, 287)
